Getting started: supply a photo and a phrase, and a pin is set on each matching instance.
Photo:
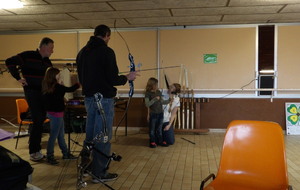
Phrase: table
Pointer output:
(79, 111)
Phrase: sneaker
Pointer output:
(40, 154)
(153, 145)
(164, 144)
(51, 160)
(107, 177)
(69, 157)
(36, 156)
(85, 174)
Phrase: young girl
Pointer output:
(154, 102)
(53, 95)
(170, 112)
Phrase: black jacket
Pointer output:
(98, 70)
(54, 102)
(32, 66)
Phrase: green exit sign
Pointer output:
(210, 58)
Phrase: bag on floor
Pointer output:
(14, 171)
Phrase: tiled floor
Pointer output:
(178, 167)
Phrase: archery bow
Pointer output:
(156, 68)
(131, 84)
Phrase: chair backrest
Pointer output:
(22, 106)
(254, 154)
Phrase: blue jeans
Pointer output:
(155, 127)
(57, 131)
(168, 135)
(94, 126)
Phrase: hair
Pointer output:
(45, 41)
(49, 80)
(150, 84)
(102, 30)
(177, 88)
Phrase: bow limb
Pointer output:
(166, 80)
(130, 93)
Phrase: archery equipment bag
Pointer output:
(14, 171)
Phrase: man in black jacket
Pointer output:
(29, 68)
(98, 73)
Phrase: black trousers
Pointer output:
(38, 115)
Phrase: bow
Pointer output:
(131, 84)
(98, 99)
(156, 68)
(132, 69)
(166, 81)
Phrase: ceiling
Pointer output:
(86, 14)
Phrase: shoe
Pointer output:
(36, 156)
(153, 145)
(51, 160)
(69, 157)
(107, 177)
(85, 174)
(164, 144)
(40, 154)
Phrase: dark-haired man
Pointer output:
(29, 68)
(98, 73)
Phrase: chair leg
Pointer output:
(18, 135)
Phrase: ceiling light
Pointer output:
(10, 4)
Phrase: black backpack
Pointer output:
(14, 171)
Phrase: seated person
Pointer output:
(170, 113)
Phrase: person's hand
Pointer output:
(60, 82)
(158, 97)
(132, 75)
(23, 82)
(167, 127)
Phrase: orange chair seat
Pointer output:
(253, 158)
(30, 122)
(236, 183)
(26, 122)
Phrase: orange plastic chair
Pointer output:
(22, 107)
(253, 158)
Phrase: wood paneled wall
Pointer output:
(214, 114)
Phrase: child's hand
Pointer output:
(158, 97)
(167, 127)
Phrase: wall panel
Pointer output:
(235, 48)
(288, 57)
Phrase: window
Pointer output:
(266, 71)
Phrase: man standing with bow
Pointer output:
(98, 73)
